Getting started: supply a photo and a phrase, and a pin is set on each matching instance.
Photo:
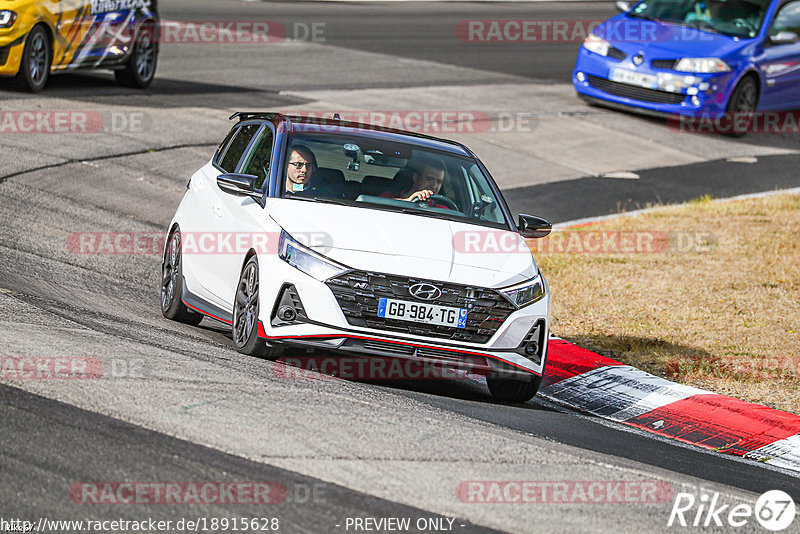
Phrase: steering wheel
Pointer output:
(438, 199)
(744, 23)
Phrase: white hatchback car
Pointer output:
(340, 236)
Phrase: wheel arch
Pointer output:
(750, 72)
(250, 254)
(51, 37)
(150, 18)
(174, 226)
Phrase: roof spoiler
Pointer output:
(246, 115)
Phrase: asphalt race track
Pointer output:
(179, 404)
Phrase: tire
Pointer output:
(140, 68)
(245, 315)
(511, 390)
(37, 58)
(172, 307)
(744, 99)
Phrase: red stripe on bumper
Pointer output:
(208, 314)
(262, 333)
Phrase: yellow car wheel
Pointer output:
(37, 57)
(140, 69)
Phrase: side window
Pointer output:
(224, 143)
(237, 147)
(258, 162)
(787, 19)
(492, 212)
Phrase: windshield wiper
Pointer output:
(322, 199)
(434, 214)
(644, 16)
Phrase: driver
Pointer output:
(706, 11)
(300, 169)
(427, 179)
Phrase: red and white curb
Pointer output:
(594, 384)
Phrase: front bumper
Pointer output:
(322, 324)
(11, 48)
(697, 95)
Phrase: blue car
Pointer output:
(697, 58)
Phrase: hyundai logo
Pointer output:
(638, 59)
(425, 291)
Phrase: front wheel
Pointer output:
(37, 59)
(743, 103)
(140, 69)
(512, 390)
(245, 315)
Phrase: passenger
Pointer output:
(425, 182)
(300, 169)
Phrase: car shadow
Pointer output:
(101, 87)
(294, 366)
(788, 139)
(444, 383)
(664, 359)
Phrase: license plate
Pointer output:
(422, 313)
(634, 78)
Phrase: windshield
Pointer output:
(738, 18)
(372, 173)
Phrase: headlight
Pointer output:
(307, 260)
(597, 45)
(702, 64)
(525, 293)
(7, 18)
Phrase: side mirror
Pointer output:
(623, 7)
(782, 38)
(242, 185)
(531, 227)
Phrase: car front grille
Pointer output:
(616, 53)
(635, 92)
(357, 293)
(668, 64)
(4, 54)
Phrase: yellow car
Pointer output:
(38, 37)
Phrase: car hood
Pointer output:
(407, 245)
(663, 40)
